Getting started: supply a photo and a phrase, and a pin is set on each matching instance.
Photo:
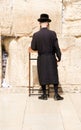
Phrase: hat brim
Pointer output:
(44, 20)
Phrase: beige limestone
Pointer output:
(72, 19)
(71, 34)
(19, 21)
(19, 18)
(17, 62)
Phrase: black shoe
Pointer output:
(43, 97)
(58, 97)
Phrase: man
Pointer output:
(45, 42)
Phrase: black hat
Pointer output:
(44, 18)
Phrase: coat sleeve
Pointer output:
(56, 48)
(34, 43)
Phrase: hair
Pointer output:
(47, 25)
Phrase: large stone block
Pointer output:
(68, 2)
(19, 18)
(5, 17)
(71, 39)
(52, 7)
(70, 65)
(17, 73)
(72, 19)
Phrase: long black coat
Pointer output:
(46, 43)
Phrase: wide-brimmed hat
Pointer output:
(44, 18)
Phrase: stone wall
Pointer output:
(18, 22)
(20, 16)
(71, 36)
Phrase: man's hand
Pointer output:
(31, 51)
(58, 60)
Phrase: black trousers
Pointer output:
(55, 88)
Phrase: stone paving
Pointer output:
(18, 111)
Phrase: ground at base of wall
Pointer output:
(25, 89)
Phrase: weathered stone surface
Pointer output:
(69, 1)
(72, 19)
(71, 39)
(17, 73)
(17, 21)
(20, 19)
